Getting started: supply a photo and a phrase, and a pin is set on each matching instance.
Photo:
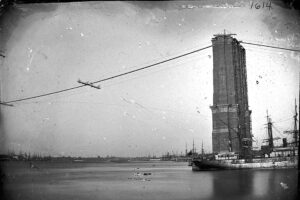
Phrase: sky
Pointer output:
(48, 47)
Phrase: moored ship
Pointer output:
(270, 156)
(199, 164)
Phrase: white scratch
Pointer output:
(284, 185)
(31, 56)
(191, 6)
(132, 101)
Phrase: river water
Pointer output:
(148, 180)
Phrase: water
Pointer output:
(167, 181)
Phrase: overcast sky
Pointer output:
(48, 47)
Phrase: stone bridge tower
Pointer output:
(230, 112)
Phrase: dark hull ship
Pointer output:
(284, 156)
(255, 163)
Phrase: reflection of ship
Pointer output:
(231, 117)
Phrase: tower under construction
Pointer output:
(231, 116)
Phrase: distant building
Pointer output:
(230, 112)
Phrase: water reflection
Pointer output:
(232, 184)
(168, 181)
(255, 184)
(201, 185)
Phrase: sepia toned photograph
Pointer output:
(145, 100)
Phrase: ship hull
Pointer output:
(259, 163)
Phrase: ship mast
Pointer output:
(193, 147)
(295, 125)
(294, 131)
(270, 134)
(298, 132)
(202, 149)
(186, 149)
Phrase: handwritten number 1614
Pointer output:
(259, 5)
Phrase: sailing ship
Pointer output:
(269, 156)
